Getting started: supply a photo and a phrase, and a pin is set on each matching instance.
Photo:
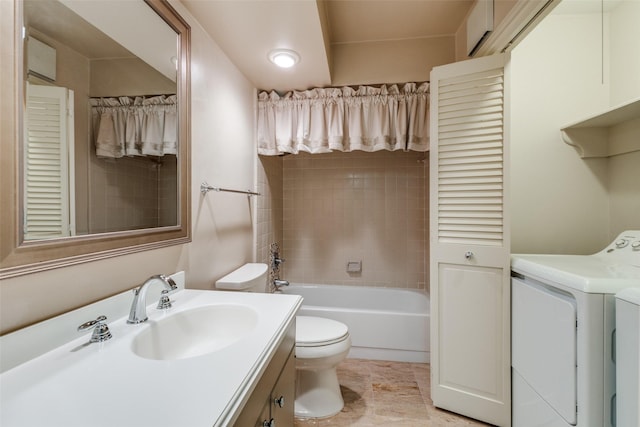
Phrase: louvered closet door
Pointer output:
(48, 203)
(470, 266)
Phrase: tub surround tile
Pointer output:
(381, 393)
(342, 206)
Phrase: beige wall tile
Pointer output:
(351, 206)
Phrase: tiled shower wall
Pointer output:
(132, 193)
(268, 205)
(341, 207)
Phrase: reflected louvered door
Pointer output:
(48, 171)
(470, 273)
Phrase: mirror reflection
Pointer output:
(100, 134)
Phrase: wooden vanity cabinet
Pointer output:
(271, 402)
(284, 394)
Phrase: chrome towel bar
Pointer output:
(205, 188)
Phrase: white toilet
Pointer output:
(321, 344)
(627, 356)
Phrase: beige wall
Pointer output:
(562, 203)
(222, 153)
(624, 170)
(269, 206)
(141, 79)
(389, 61)
(342, 207)
(625, 52)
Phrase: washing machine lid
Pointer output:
(316, 331)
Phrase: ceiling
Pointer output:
(247, 30)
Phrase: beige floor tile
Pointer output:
(382, 393)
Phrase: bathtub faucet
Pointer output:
(278, 283)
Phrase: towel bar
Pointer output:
(205, 188)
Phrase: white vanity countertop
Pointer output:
(106, 384)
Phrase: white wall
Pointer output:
(223, 153)
(562, 203)
(625, 52)
(624, 171)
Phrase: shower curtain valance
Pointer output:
(134, 126)
(344, 119)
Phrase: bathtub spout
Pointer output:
(279, 283)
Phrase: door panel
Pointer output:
(470, 272)
(470, 327)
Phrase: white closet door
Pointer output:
(48, 174)
(470, 267)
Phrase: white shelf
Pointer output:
(616, 131)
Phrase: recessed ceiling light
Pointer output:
(284, 58)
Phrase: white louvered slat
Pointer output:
(470, 159)
(46, 198)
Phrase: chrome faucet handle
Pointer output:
(100, 329)
(276, 261)
(165, 301)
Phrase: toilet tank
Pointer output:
(627, 356)
(251, 277)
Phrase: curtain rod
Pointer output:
(356, 86)
(133, 96)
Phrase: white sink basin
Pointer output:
(195, 332)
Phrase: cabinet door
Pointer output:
(265, 416)
(283, 395)
(470, 293)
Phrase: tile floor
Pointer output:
(380, 393)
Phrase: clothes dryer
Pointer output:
(563, 323)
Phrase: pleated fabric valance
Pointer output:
(344, 119)
(134, 126)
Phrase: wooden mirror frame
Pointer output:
(18, 257)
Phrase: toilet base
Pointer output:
(317, 394)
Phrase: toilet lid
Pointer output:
(315, 331)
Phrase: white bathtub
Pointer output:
(384, 323)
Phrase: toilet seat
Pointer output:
(318, 331)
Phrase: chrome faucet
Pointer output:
(138, 313)
(278, 283)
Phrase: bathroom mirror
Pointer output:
(122, 74)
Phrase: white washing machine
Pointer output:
(562, 334)
(628, 357)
